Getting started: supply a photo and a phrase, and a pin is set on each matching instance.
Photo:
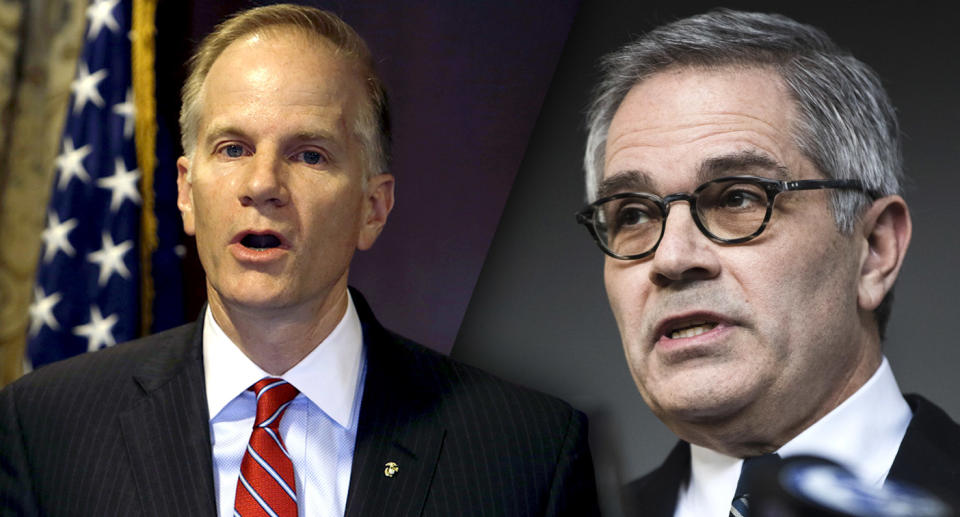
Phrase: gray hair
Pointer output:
(373, 122)
(846, 124)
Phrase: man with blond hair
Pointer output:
(286, 397)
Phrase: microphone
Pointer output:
(811, 486)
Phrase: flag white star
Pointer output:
(70, 163)
(100, 13)
(41, 311)
(123, 185)
(99, 331)
(110, 259)
(56, 237)
(128, 111)
(84, 87)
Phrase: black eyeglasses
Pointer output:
(730, 210)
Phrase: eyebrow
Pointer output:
(308, 135)
(741, 163)
(624, 181)
(217, 132)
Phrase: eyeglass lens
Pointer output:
(727, 209)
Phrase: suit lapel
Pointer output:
(167, 432)
(398, 424)
(656, 493)
(929, 455)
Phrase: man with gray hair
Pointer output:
(286, 397)
(752, 318)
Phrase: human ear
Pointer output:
(377, 204)
(886, 228)
(185, 195)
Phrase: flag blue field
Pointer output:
(88, 288)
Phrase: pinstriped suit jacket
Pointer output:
(125, 432)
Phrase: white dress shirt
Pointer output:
(863, 434)
(319, 427)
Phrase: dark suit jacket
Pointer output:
(126, 432)
(929, 457)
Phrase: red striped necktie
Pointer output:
(266, 486)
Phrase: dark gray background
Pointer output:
(539, 315)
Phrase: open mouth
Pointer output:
(260, 242)
(691, 329)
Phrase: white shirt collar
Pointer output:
(863, 433)
(327, 376)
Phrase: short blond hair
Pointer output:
(372, 126)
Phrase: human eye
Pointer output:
(630, 214)
(741, 197)
(231, 150)
(312, 157)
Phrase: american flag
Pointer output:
(87, 291)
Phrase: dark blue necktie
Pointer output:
(740, 507)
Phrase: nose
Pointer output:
(264, 183)
(684, 254)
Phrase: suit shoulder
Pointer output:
(500, 447)
(933, 427)
(104, 366)
(424, 373)
(458, 377)
(461, 387)
(72, 399)
(929, 454)
(927, 411)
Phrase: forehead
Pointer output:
(280, 68)
(674, 123)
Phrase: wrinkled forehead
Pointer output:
(745, 163)
(702, 123)
(683, 90)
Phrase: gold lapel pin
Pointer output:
(391, 469)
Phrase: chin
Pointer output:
(699, 404)
(259, 295)
(263, 302)
(258, 303)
